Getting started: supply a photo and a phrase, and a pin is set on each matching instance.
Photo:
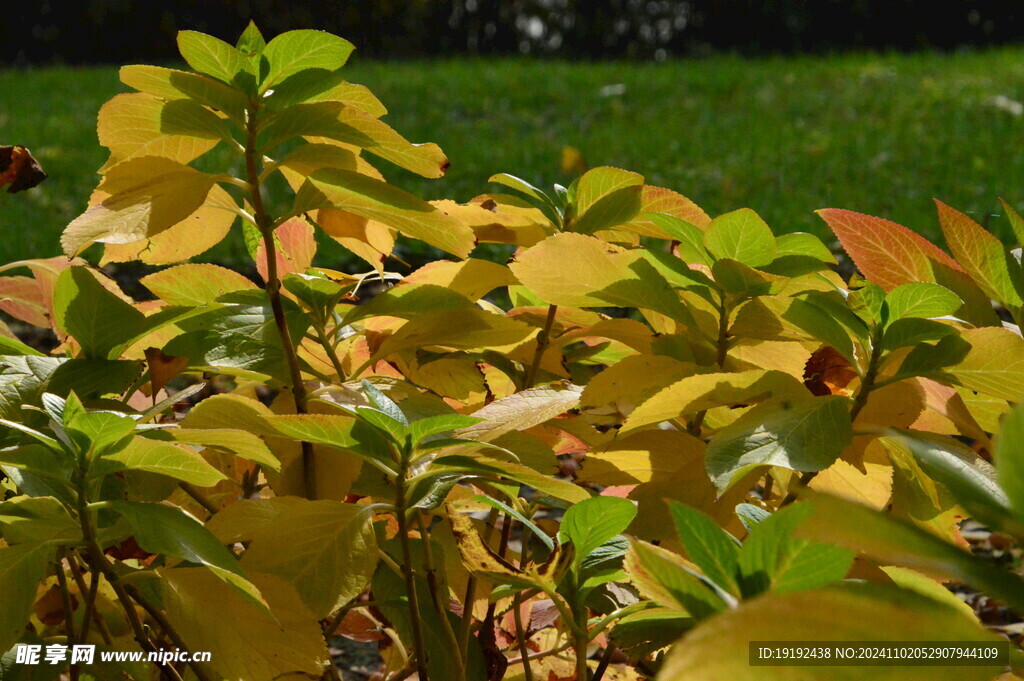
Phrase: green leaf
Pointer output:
(521, 185)
(866, 302)
(1015, 220)
(190, 119)
(802, 243)
(96, 432)
(296, 51)
(592, 522)
(539, 533)
(664, 577)
(375, 200)
(719, 648)
(172, 532)
(1010, 459)
(383, 403)
(799, 433)
(926, 359)
(22, 381)
(971, 479)
(894, 542)
(642, 633)
(437, 425)
(99, 320)
(751, 516)
(38, 521)
(773, 560)
(21, 570)
(921, 300)
(326, 550)
(211, 56)
(13, 346)
(741, 235)
(912, 332)
(163, 458)
(251, 41)
(689, 237)
(714, 550)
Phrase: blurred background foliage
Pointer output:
(785, 106)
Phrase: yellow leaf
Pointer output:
(718, 648)
(500, 218)
(642, 457)
(870, 485)
(146, 196)
(614, 393)
(199, 232)
(521, 411)
(326, 550)
(581, 271)
(994, 365)
(472, 278)
(368, 239)
(246, 642)
(706, 391)
(131, 125)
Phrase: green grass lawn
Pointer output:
(878, 134)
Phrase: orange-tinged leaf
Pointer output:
(983, 256)
(368, 239)
(890, 254)
(162, 368)
(887, 253)
(295, 246)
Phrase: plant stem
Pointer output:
(266, 226)
(193, 492)
(721, 353)
(603, 664)
(172, 634)
(435, 596)
(408, 572)
(69, 612)
(90, 602)
(543, 340)
(331, 352)
(582, 642)
(470, 597)
(100, 563)
(517, 603)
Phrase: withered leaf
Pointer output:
(19, 169)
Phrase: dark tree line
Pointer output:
(117, 31)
